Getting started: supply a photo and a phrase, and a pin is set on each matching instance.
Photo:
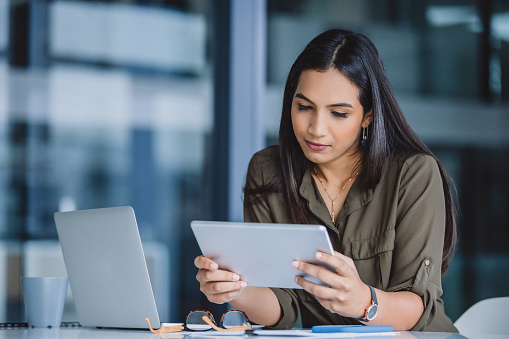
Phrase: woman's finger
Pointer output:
(204, 276)
(202, 262)
(320, 273)
(219, 286)
(341, 263)
(222, 287)
(319, 291)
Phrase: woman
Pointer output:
(347, 159)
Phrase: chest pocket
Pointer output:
(373, 258)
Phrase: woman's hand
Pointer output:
(345, 294)
(218, 286)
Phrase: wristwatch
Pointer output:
(371, 310)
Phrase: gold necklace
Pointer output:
(327, 192)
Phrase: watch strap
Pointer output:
(374, 302)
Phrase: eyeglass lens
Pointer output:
(234, 318)
(194, 321)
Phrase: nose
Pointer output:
(318, 124)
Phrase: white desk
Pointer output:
(88, 333)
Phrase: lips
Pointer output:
(316, 146)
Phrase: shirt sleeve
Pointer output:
(256, 207)
(419, 238)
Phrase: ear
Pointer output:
(368, 119)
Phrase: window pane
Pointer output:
(116, 111)
(4, 27)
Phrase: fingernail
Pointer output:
(235, 277)
(214, 266)
(319, 255)
(295, 264)
(243, 284)
(296, 279)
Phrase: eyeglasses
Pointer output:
(231, 321)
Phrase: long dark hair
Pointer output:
(357, 58)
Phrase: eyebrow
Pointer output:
(303, 97)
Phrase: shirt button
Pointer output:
(426, 262)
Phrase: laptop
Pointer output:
(106, 268)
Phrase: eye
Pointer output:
(302, 107)
(340, 114)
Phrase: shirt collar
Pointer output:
(356, 199)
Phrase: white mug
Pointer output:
(44, 300)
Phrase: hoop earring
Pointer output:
(364, 141)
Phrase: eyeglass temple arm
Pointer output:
(165, 329)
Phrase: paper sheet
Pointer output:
(216, 334)
(307, 333)
(277, 334)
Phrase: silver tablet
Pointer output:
(262, 254)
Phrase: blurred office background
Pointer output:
(160, 104)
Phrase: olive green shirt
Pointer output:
(394, 233)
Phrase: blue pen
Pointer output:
(350, 329)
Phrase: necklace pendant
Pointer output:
(333, 211)
(327, 192)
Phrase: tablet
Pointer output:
(262, 254)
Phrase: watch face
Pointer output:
(372, 312)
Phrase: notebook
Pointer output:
(106, 267)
